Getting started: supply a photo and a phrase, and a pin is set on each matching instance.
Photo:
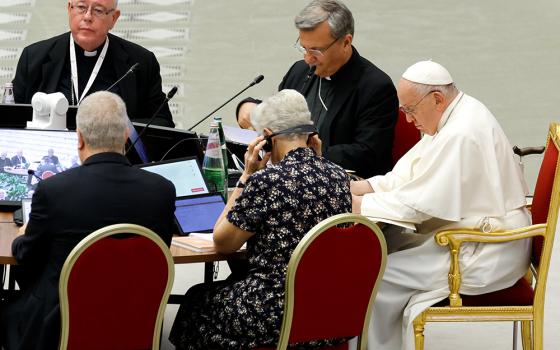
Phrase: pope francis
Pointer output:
(461, 174)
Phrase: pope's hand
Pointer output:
(360, 188)
(357, 204)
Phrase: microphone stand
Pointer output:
(168, 97)
(130, 70)
(254, 82)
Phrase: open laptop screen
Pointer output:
(184, 173)
(198, 214)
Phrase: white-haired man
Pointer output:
(461, 174)
(67, 207)
(89, 59)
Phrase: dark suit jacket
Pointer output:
(357, 132)
(5, 162)
(40, 68)
(66, 208)
(16, 161)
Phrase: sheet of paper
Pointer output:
(404, 224)
(236, 134)
(210, 237)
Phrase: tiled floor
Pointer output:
(505, 53)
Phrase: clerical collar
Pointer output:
(90, 53)
(74, 70)
(449, 110)
(81, 51)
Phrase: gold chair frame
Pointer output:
(85, 244)
(296, 257)
(531, 316)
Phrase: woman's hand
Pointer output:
(315, 143)
(253, 162)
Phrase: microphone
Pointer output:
(32, 172)
(129, 71)
(168, 97)
(254, 82)
(257, 80)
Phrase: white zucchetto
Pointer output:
(428, 73)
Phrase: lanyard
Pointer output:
(74, 68)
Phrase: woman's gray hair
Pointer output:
(339, 17)
(103, 122)
(283, 110)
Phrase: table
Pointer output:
(16, 171)
(9, 230)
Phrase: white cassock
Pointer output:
(463, 176)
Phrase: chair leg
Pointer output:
(419, 323)
(526, 335)
(538, 332)
(515, 327)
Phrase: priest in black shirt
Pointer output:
(353, 103)
(89, 59)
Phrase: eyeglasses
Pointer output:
(313, 52)
(95, 10)
(410, 109)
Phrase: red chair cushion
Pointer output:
(114, 293)
(520, 294)
(406, 136)
(333, 284)
(543, 192)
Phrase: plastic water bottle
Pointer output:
(213, 164)
(8, 97)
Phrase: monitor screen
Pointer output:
(44, 153)
(15, 115)
(184, 173)
(162, 143)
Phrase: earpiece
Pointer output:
(300, 129)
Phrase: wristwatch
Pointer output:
(240, 184)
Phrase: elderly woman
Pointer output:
(271, 209)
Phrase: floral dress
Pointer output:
(279, 204)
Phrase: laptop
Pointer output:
(184, 173)
(197, 209)
(161, 143)
(198, 213)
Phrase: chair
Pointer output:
(523, 301)
(113, 290)
(331, 282)
(406, 136)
